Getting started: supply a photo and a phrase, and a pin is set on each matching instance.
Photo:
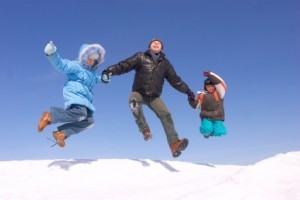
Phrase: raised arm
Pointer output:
(219, 83)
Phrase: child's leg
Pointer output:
(73, 114)
(219, 128)
(206, 127)
(79, 118)
(76, 127)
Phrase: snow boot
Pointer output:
(147, 134)
(59, 137)
(209, 135)
(178, 146)
(44, 121)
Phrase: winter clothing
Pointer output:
(151, 70)
(191, 95)
(77, 118)
(161, 111)
(216, 127)
(77, 92)
(149, 75)
(105, 77)
(156, 39)
(207, 82)
(60, 138)
(211, 105)
(178, 146)
(44, 121)
(81, 78)
(50, 49)
(93, 51)
(147, 135)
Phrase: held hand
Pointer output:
(205, 73)
(105, 77)
(50, 49)
(191, 95)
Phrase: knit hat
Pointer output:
(156, 39)
(207, 82)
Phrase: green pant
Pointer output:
(161, 111)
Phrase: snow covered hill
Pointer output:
(276, 178)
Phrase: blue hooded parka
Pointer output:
(81, 77)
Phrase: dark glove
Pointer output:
(191, 95)
(205, 73)
(105, 77)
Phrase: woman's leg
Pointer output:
(78, 118)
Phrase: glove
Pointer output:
(191, 95)
(105, 77)
(50, 49)
(205, 73)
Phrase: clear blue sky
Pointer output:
(253, 44)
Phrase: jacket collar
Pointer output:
(148, 53)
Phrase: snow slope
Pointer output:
(276, 178)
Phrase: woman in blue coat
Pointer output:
(77, 92)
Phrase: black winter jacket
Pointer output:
(149, 75)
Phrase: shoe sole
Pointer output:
(183, 145)
(148, 137)
(208, 136)
(59, 142)
(42, 119)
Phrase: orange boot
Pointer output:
(147, 134)
(44, 121)
(178, 146)
(60, 137)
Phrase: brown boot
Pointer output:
(178, 146)
(44, 121)
(60, 137)
(147, 135)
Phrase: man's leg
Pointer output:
(161, 111)
(176, 145)
(135, 103)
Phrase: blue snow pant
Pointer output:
(161, 111)
(212, 127)
(77, 118)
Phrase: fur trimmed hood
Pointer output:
(94, 51)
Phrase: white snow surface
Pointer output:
(275, 178)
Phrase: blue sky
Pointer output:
(254, 45)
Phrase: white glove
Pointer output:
(50, 49)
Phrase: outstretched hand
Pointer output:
(205, 73)
(191, 95)
(50, 49)
(105, 77)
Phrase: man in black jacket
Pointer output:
(151, 69)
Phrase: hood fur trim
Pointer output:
(95, 51)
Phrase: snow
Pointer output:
(275, 178)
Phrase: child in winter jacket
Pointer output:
(77, 92)
(210, 104)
